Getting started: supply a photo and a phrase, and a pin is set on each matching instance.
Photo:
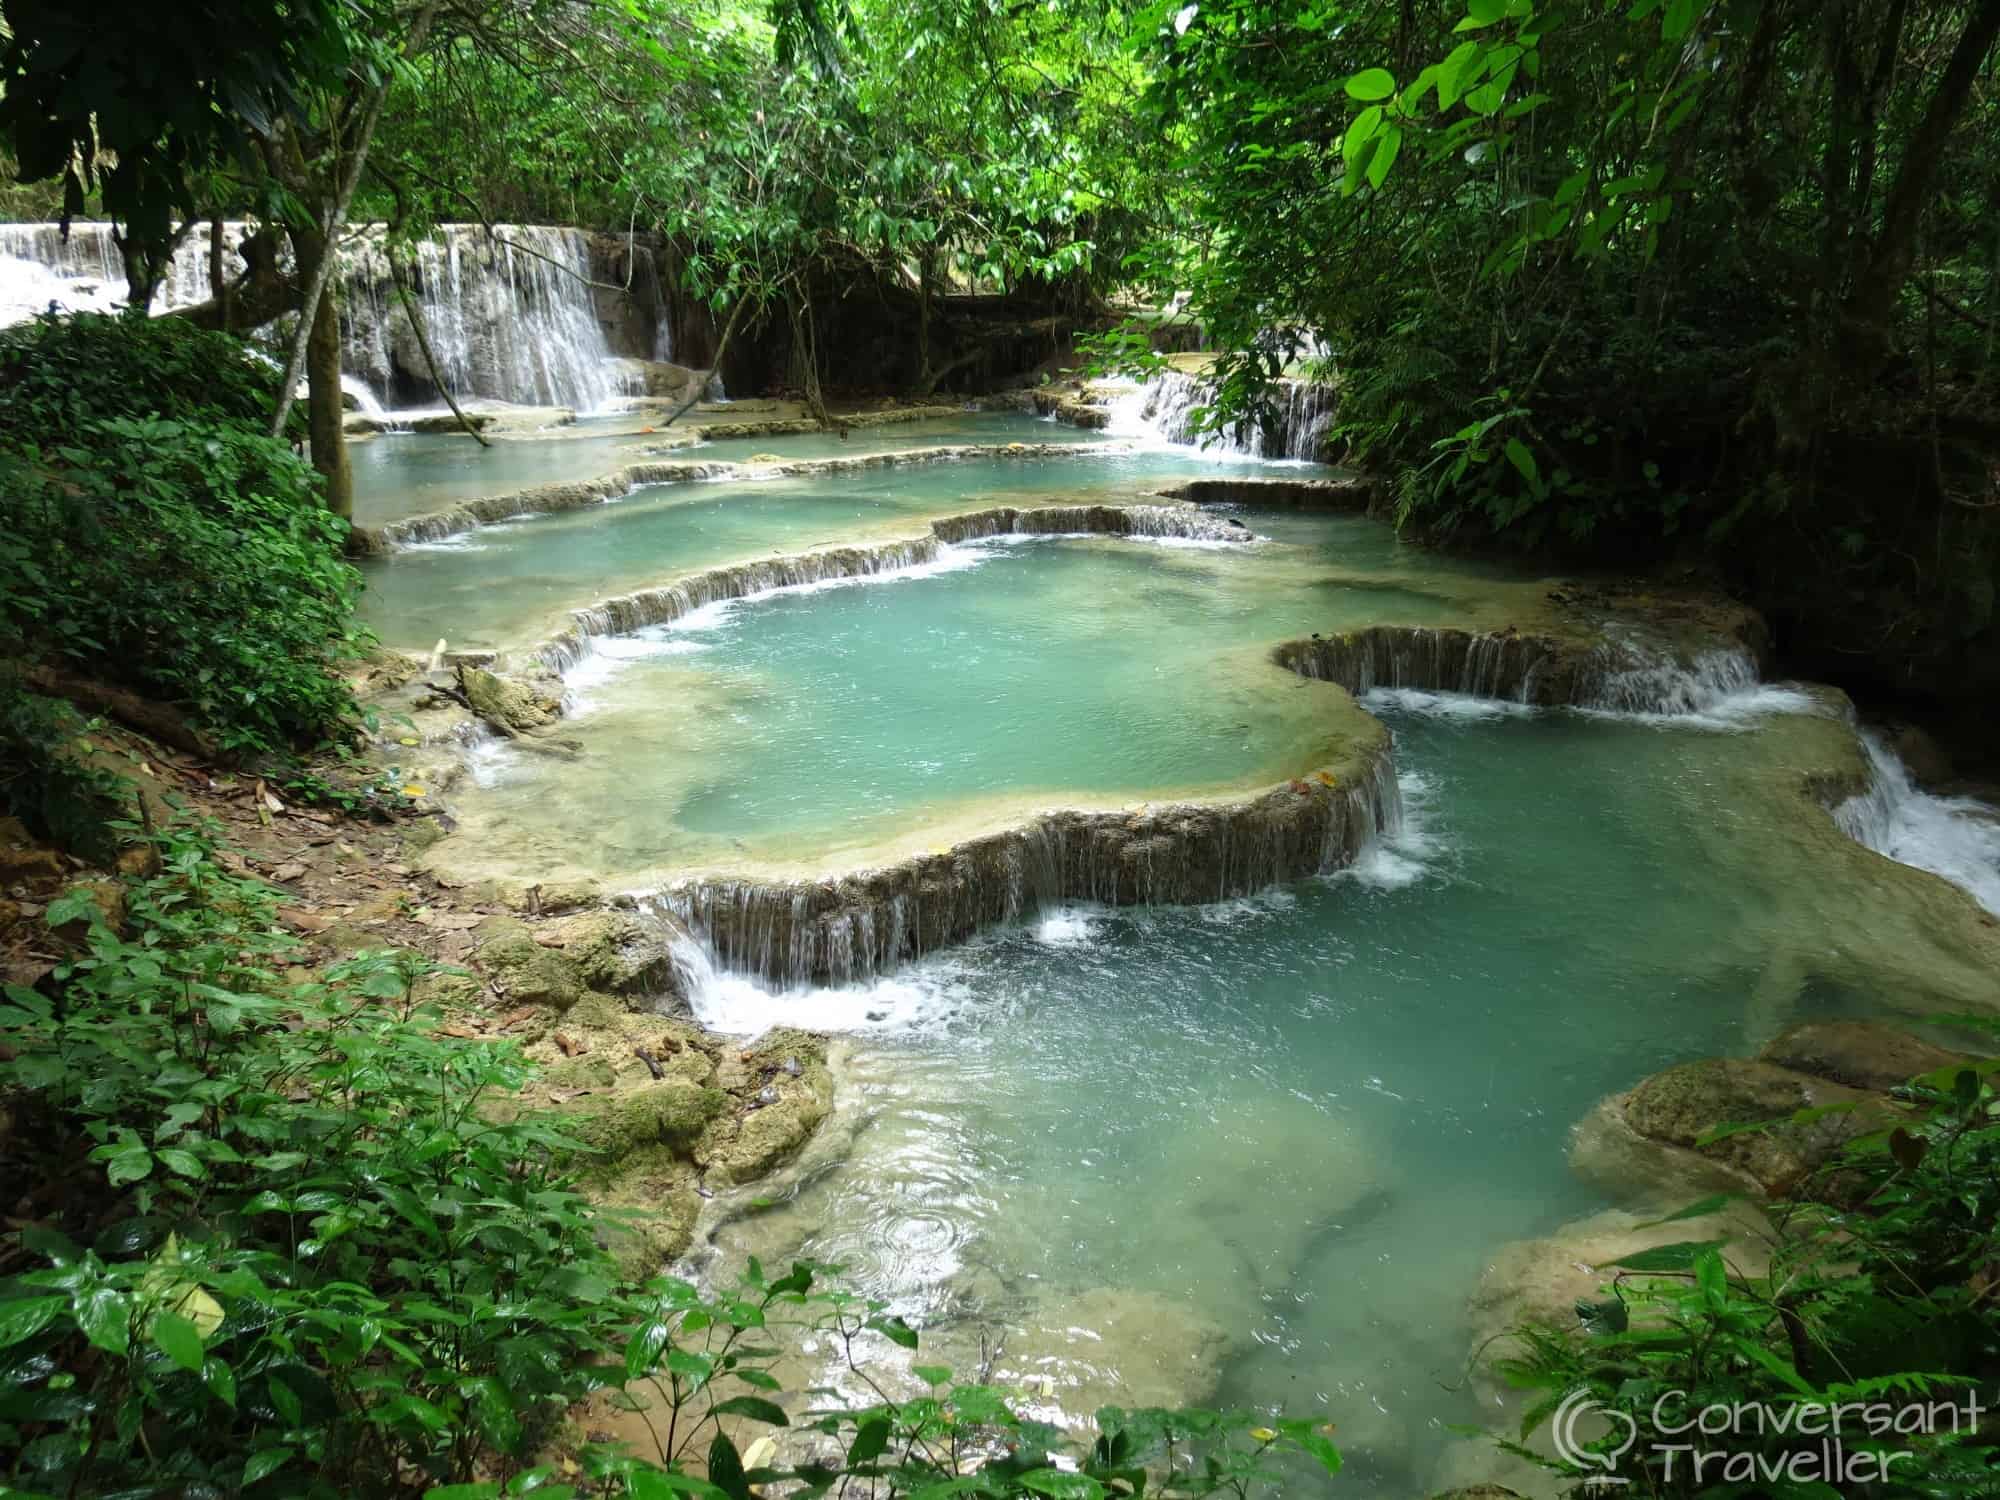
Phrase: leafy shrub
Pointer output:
(57, 373)
(1879, 1292)
(55, 795)
(189, 561)
(285, 1240)
(158, 540)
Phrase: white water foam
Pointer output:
(1068, 926)
(1461, 707)
(1409, 852)
(1955, 838)
(922, 998)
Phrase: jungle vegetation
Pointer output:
(1695, 283)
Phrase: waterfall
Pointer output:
(85, 273)
(1955, 838)
(857, 926)
(510, 317)
(1301, 415)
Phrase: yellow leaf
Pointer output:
(408, 740)
(413, 790)
(1263, 1434)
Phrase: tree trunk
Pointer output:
(325, 406)
(1873, 300)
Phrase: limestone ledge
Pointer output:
(625, 613)
(859, 923)
(580, 494)
(1633, 652)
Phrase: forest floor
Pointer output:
(585, 987)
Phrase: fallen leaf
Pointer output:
(290, 871)
(465, 1033)
(564, 1045)
(303, 920)
(516, 1017)
(549, 939)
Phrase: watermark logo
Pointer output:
(1581, 1422)
(1752, 1442)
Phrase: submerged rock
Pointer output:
(1860, 1054)
(1671, 1111)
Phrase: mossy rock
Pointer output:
(522, 969)
(1679, 1106)
(1860, 1054)
(671, 1113)
(595, 1012)
(452, 991)
(767, 1134)
(651, 1204)
(512, 703)
(594, 1070)
(618, 952)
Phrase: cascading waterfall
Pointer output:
(857, 926)
(1956, 838)
(510, 316)
(1618, 675)
(1164, 407)
(84, 272)
(677, 600)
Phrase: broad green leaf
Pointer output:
(1519, 456)
(178, 1339)
(264, 1463)
(1384, 156)
(871, 1440)
(1675, 1257)
(105, 1316)
(1371, 84)
(25, 1317)
(756, 1408)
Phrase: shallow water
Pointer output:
(1077, 669)
(508, 584)
(411, 473)
(1257, 1152)
(1272, 1144)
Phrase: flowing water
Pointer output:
(505, 584)
(1253, 1152)
(406, 474)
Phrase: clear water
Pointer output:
(1259, 1152)
(826, 722)
(1263, 1151)
(509, 584)
(412, 473)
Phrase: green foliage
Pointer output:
(182, 555)
(105, 97)
(1725, 265)
(56, 373)
(289, 1241)
(42, 781)
(1878, 1291)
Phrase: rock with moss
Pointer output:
(617, 952)
(524, 970)
(1860, 1054)
(506, 701)
(652, 1199)
(1674, 1111)
(790, 1090)
(671, 1113)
